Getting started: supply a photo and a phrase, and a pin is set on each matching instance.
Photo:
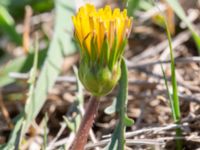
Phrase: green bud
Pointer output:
(99, 80)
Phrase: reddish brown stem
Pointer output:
(87, 121)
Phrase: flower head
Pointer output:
(102, 36)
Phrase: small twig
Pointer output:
(152, 63)
(160, 141)
(130, 64)
(152, 51)
(50, 145)
(93, 138)
(65, 141)
(183, 97)
(187, 138)
(5, 112)
(26, 32)
(41, 18)
(128, 143)
(140, 117)
(189, 98)
(86, 123)
(190, 119)
(158, 76)
(144, 16)
(144, 142)
(72, 79)
(153, 130)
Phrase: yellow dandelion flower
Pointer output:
(102, 36)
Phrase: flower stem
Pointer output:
(86, 123)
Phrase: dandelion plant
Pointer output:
(102, 36)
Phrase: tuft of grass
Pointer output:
(173, 97)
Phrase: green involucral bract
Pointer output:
(99, 81)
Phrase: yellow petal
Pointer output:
(90, 22)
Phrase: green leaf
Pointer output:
(29, 102)
(127, 121)
(181, 14)
(175, 103)
(16, 134)
(20, 64)
(16, 7)
(132, 6)
(118, 138)
(145, 5)
(7, 25)
(112, 108)
(61, 45)
(168, 93)
(173, 77)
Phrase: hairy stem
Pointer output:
(86, 123)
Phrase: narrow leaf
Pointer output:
(7, 25)
(54, 60)
(118, 138)
(181, 14)
(112, 108)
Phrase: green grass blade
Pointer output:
(168, 93)
(181, 14)
(173, 77)
(7, 25)
(176, 105)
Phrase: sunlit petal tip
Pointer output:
(127, 32)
